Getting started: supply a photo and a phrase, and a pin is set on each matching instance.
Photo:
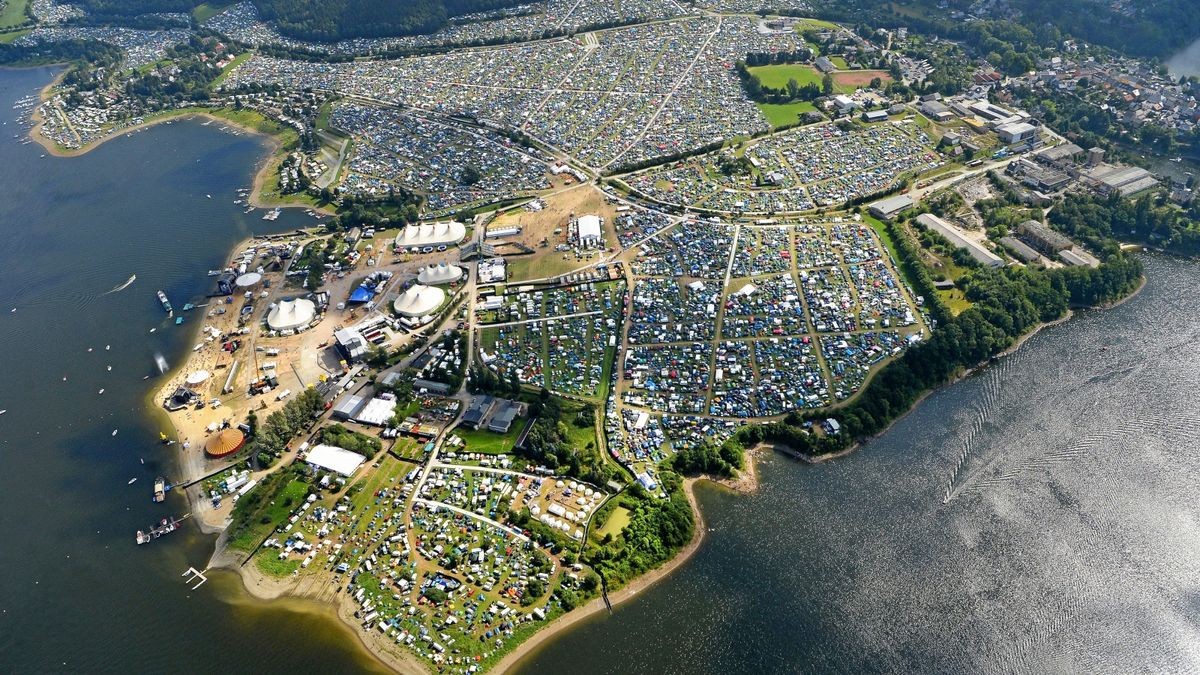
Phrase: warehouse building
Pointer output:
(1078, 258)
(1020, 249)
(1043, 238)
(888, 207)
(960, 240)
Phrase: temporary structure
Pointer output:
(291, 314)
(225, 443)
(419, 300)
(442, 273)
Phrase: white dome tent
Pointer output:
(442, 273)
(419, 300)
(291, 315)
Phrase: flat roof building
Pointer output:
(890, 206)
(1016, 132)
(1019, 249)
(347, 407)
(350, 343)
(478, 410)
(503, 419)
(1078, 257)
(1043, 238)
(377, 412)
(960, 240)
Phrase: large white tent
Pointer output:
(291, 314)
(419, 300)
(248, 279)
(433, 234)
(589, 229)
(335, 459)
(442, 273)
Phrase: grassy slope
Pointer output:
(777, 76)
(780, 114)
(13, 14)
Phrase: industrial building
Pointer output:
(433, 234)
(291, 315)
(478, 410)
(442, 273)
(875, 116)
(888, 207)
(502, 421)
(351, 344)
(419, 301)
(1020, 249)
(1043, 238)
(1125, 181)
(956, 237)
(1078, 257)
(1016, 132)
(1036, 176)
(347, 407)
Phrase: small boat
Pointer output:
(214, 273)
(162, 298)
(132, 481)
(209, 196)
(3, 411)
(101, 391)
(153, 329)
(160, 489)
(107, 347)
(187, 307)
(114, 433)
(110, 369)
(178, 320)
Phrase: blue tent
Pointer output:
(363, 293)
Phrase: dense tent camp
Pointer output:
(291, 314)
(419, 300)
(433, 234)
(442, 273)
(224, 443)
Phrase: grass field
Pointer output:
(237, 61)
(208, 10)
(780, 114)
(777, 76)
(615, 523)
(265, 514)
(6, 38)
(955, 301)
(488, 443)
(13, 14)
(840, 62)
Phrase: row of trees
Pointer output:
(1149, 220)
(269, 441)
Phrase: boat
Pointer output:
(178, 320)
(162, 298)
(275, 213)
(132, 481)
(214, 273)
(187, 307)
(160, 489)
(164, 527)
(209, 196)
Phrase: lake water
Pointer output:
(1186, 62)
(1068, 542)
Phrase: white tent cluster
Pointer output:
(433, 234)
(419, 300)
(291, 315)
(442, 273)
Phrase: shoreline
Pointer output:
(1012, 349)
(255, 198)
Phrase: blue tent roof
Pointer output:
(362, 294)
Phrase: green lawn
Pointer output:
(839, 62)
(781, 114)
(255, 518)
(269, 563)
(208, 10)
(954, 300)
(777, 76)
(13, 14)
(615, 523)
(6, 38)
(488, 443)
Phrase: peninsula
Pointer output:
(568, 257)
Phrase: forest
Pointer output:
(326, 20)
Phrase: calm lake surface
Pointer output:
(1069, 541)
(1186, 62)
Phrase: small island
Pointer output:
(558, 274)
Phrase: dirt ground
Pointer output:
(860, 78)
(537, 226)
